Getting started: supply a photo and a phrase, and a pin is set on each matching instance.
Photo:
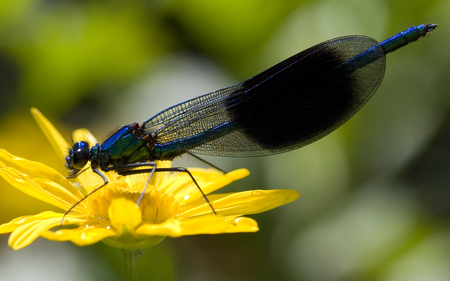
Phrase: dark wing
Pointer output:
(290, 105)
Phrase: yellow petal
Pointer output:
(49, 192)
(247, 202)
(35, 169)
(88, 180)
(84, 135)
(180, 184)
(206, 224)
(225, 180)
(125, 215)
(25, 234)
(15, 223)
(81, 236)
(57, 141)
(209, 180)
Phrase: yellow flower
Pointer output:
(172, 206)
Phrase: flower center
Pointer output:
(156, 206)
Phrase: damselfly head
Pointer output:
(78, 157)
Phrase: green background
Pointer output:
(374, 202)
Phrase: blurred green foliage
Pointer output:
(375, 198)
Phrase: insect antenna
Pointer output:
(71, 140)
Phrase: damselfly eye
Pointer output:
(80, 155)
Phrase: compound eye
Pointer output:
(80, 155)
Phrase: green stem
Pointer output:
(131, 258)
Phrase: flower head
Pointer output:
(171, 206)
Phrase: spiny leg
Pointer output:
(172, 169)
(105, 182)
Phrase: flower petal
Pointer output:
(57, 141)
(225, 180)
(125, 215)
(81, 236)
(206, 224)
(35, 169)
(15, 223)
(209, 180)
(235, 204)
(88, 180)
(84, 135)
(26, 233)
(41, 189)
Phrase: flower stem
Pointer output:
(131, 258)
